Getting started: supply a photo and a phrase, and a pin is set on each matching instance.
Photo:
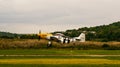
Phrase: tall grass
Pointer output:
(42, 44)
(22, 43)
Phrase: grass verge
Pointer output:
(59, 65)
(58, 52)
(58, 61)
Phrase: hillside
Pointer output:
(109, 32)
(14, 35)
(7, 35)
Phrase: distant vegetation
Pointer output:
(102, 33)
(8, 35)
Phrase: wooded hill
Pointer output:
(109, 32)
(7, 35)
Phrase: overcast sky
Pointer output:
(28, 16)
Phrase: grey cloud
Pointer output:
(59, 12)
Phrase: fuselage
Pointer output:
(45, 35)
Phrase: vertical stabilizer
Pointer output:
(82, 37)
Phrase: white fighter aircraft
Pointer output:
(59, 37)
(65, 39)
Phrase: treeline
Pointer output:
(8, 35)
(105, 33)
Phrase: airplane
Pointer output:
(80, 38)
(61, 38)
(44, 35)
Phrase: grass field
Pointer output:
(35, 53)
(42, 44)
(58, 59)
(59, 65)
(59, 52)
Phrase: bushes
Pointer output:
(42, 44)
(22, 44)
(111, 47)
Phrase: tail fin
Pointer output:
(82, 37)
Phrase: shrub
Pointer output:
(42, 44)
